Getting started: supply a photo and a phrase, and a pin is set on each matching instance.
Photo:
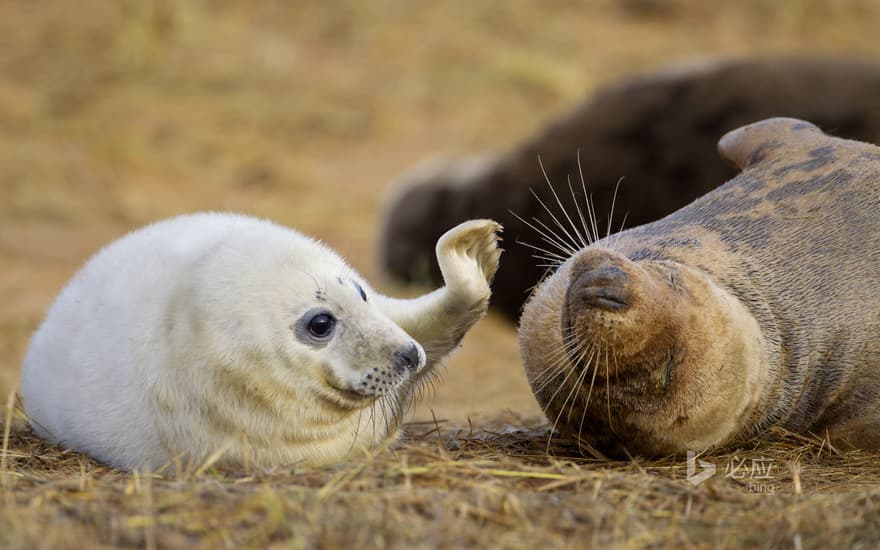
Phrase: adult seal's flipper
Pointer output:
(768, 139)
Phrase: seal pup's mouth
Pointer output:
(376, 382)
(344, 398)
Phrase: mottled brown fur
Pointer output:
(756, 306)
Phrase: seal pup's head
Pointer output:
(276, 337)
(358, 352)
(640, 357)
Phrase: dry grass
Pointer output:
(499, 486)
(115, 113)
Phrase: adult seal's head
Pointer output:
(754, 307)
(223, 335)
(642, 354)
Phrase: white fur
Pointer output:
(180, 339)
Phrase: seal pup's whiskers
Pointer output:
(357, 431)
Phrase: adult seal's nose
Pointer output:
(603, 285)
(407, 359)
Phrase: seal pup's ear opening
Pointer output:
(767, 139)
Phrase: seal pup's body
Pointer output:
(219, 332)
(757, 306)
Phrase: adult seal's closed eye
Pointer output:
(220, 332)
(757, 306)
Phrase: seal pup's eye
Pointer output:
(316, 327)
(360, 289)
(321, 325)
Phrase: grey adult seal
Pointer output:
(756, 306)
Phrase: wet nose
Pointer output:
(604, 286)
(407, 359)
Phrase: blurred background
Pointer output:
(117, 113)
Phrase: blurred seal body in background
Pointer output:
(657, 131)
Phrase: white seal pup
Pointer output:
(213, 331)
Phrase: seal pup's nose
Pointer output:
(407, 359)
(600, 282)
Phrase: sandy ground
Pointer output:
(115, 114)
